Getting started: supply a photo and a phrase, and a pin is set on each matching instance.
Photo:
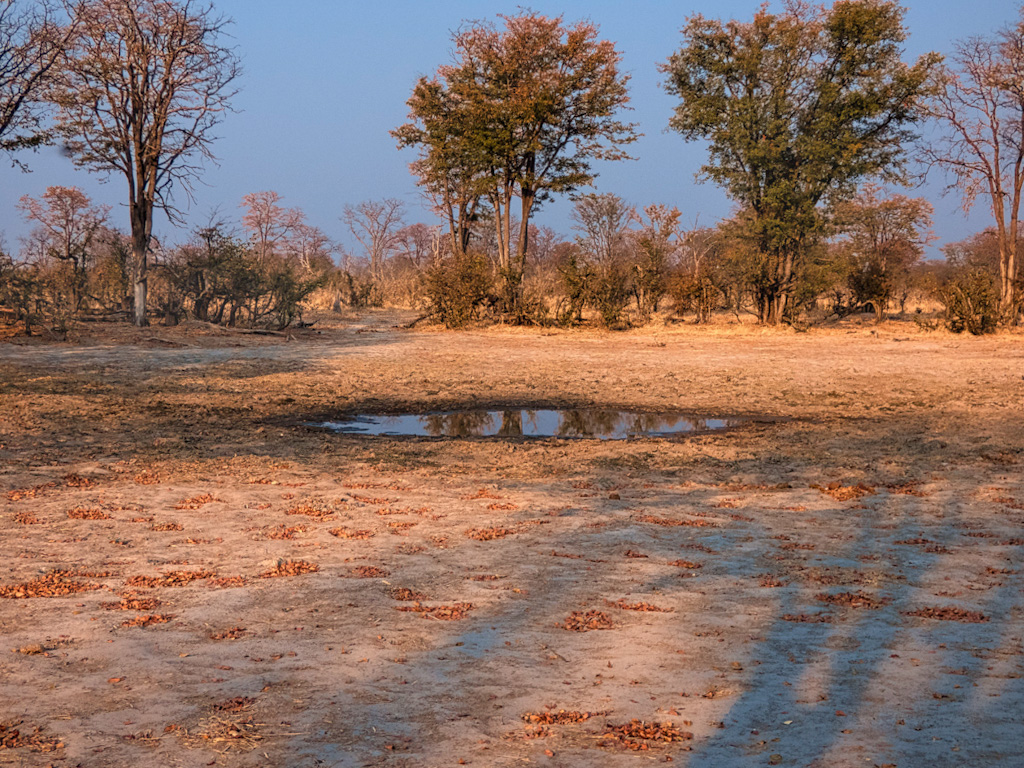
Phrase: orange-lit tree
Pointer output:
(521, 114)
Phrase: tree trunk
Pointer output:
(141, 286)
(142, 228)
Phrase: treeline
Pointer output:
(622, 267)
(803, 111)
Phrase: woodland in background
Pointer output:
(801, 132)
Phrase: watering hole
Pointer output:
(602, 424)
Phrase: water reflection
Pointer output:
(597, 423)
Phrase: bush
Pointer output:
(971, 299)
(457, 287)
(610, 294)
(695, 293)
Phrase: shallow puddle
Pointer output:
(600, 424)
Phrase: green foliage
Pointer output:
(220, 279)
(971, 298)
(610, 294)
(458, 287)
(575, 276)
(521, 114)
(798, 107)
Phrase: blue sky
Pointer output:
(325, 81)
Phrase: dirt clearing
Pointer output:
(192, 577)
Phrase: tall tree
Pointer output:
(522, 112)
(980, 104)
(140, 93)
(450, 168)
(798, 107)
(32, 40)
(68, 223)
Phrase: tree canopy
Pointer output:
(522, 112)
(798, 108)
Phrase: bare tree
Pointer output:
(980, 102)
(140, 93)
(32, 40)
(376, 225)
(269, 225)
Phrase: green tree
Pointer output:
(520, 114)
(798, 107)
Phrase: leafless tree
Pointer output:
(140, 93)
(980, 102)
(32, 40)
(376, 225)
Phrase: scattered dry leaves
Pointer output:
(586, 621)
(290, 568)
(172, 579)
(453, 612)
(949, 613)
(853, 599)
(640, 736)
(81, 513)
(148, 620)
(53, 584)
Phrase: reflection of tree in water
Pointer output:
(583, 423)
(466, 424)
(511, 424)
(657, 423)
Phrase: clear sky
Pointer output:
(325, 81)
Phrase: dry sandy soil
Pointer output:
(192, 577)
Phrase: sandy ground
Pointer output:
(192, 577)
